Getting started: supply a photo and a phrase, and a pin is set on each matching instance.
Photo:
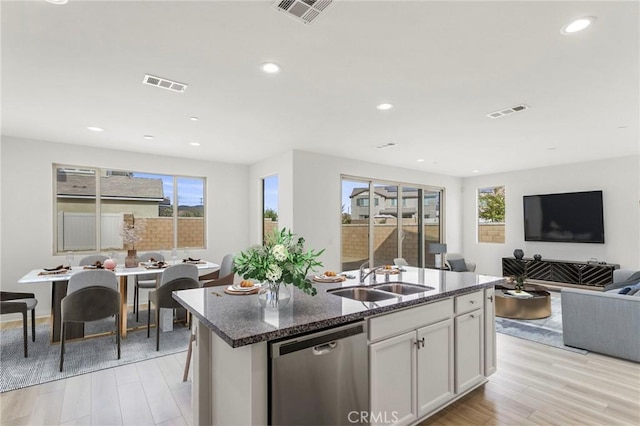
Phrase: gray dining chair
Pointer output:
(142, 283)
(183, 276)
(91, 260)
(221, 276)
(13, 303)
(91, 295)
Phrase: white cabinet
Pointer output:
(392, 378)
(435, 366)
(469, 349)
(424, 357)
(490, 362)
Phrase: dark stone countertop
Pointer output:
(240, 320)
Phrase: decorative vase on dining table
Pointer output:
(131, 261)
(274, 295)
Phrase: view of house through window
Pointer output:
(491, 208)
(383, 229)
(108, 200)
(269, 205)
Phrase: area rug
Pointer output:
(547, 331)
(81, 356)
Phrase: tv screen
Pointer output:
(574, 217)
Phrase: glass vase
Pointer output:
(274, 295)
(131, 261)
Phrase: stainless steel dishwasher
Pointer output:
(321, 378)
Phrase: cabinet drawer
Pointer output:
(469, 302)
(409, 319)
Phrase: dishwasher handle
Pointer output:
(325, 349)
(319, 342)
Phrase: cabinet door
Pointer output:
(435, 366)
(489, 332)
(393, 380)
(469, 338)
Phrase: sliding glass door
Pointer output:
(385, 220)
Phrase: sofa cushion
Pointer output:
(635, 292)
(633, 279)
(457, 265)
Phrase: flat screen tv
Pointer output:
(574, 217)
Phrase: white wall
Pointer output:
(281, 165)
(315, 209)
(618, 178)
(27, 204)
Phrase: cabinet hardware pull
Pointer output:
(472, 316)
(418, 342)
(472, 301)
(490, 298)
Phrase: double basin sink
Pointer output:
(377, 292)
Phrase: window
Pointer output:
(362, 202)
(93, 205)
(491, 209)
(269, 205)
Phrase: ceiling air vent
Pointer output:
(302, 10)
(503, 112)
(164, 83)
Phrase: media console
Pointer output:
(560, 271)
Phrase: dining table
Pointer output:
(60, 280)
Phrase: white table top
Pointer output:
(120, 271)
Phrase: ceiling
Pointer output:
(443, 65)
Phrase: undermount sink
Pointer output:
(402, 288)
(362, 294)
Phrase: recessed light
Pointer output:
(420, 160)
(149, 137)
(622, 127)
(551, 148)
(58, 1)
(194, 143)
(194, 118)
(476, 171)
(384, 107)
(578, 25)
(95, 129)
(270, 67)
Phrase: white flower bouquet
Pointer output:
(281, 259)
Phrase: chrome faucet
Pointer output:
(371, 274)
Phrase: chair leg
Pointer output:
(189, 350)
(118, 333)
(148, 318)
(157, 328)
(24, 332)
(62, 336)
(33, 324)
(135, 297)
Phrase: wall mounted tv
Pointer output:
(574, 217)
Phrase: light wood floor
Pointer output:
(535, 385)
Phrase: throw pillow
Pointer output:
(627, 289)
(635, 292)
(457, 265)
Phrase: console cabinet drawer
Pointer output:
(469, 302)
(409, 319)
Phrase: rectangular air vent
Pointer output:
(164, 83)
(304, 11)
(386, 145)
(503, 112)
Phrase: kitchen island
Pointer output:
(231, 356)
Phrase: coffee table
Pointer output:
(536, 307)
